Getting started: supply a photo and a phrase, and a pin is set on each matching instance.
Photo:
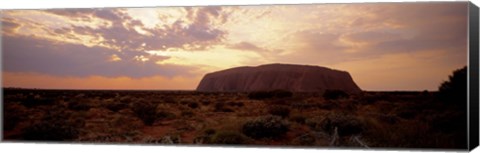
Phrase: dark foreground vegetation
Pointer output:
(279, 118)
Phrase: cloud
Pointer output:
(30, 54)
(368, 31)
(246, 46)
(9, 25)
(126, 33)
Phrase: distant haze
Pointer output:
(384, 46)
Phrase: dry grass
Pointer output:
(373, 119)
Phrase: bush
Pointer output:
(146, 112)
(346, 125)
(282, 111)
(169, 100)
(220, 107)
(334, 94)
(299, 119)
(265, 127)
(78, 105)
(229, 137)
(55, 126)
(206, 137)
(282, 93)
(33, 101)
(454, 91)
(12, 115)
(50, 131)
(193, 105)
(305, 140)
(259, 95)
(116, 106)
(209, 131)
(206, 102)
(165, 115)
(407, 114)
(187, 113)
(236, 104)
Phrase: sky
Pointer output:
(384, 46)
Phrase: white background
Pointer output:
(53, 148)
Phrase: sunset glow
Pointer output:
(384, 46)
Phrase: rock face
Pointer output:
(297, 78)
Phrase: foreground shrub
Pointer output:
(229, 137)
(345, 124)
(50, 131)
(454, 91)
(146, 112)
(305, 140)
(265, 127)
(13, 114)
(334, 94)
(282, 111)
(206, 137)
(55, 126)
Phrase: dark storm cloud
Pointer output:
(29, 54)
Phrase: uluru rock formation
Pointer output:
(296, 78)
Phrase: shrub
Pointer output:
(193, 105)
(305, 140)
(237, 104)
(334, 94)
(220, 107)
(390, 119)
(282, 93)
(169, 100)
(265, 127)
(116, 106)
(206, 102)
(229, 137)
(55, 126)
(33, 101)
(165, 115)
(259, 95)
(345, 124)
(205, 138)
(168, 139)
(209, 131)
(299, 119)
(407, 114)
(282, 111)
(50, 131)
(13, 114)
(187, 113)
(454, 91)
(78, 105)
(146, 112)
